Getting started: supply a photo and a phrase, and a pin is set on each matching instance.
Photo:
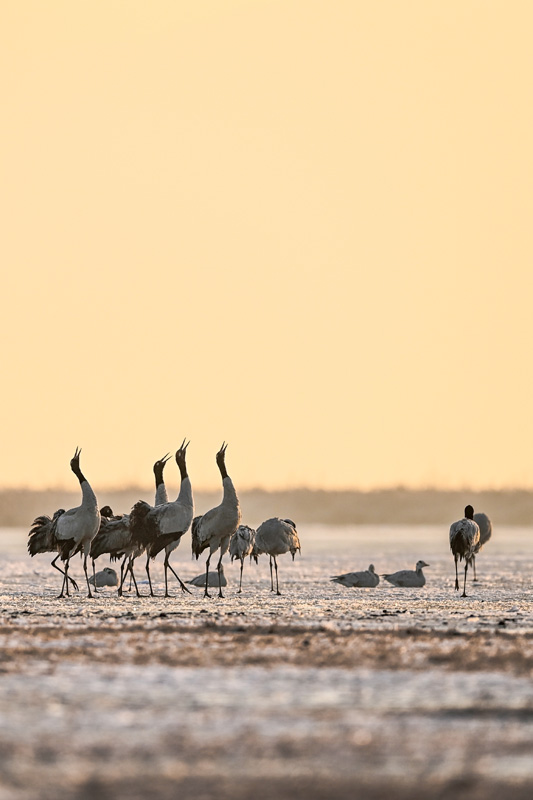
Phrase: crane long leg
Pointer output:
(87, 576)
(277, 584)
(122, 575)
(132, 577)
(456, 575)
(464, 587)
(206, 593)
(271, 576)
(64, 587)
(148, 573)
(219, 570)
(474, 564)
(183, 587)
(73, 582)
(165, 565)
(240, 582)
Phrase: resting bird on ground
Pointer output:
(162, 526)
(214, 529)
(241, 545)
(106, 577)
(464, 539)
(408, 577)
(274, 537)
(367, 578)
(212, 579)
(485, 532)
(74, 530)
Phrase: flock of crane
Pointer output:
(149, 530)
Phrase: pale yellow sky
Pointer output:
(304, 227)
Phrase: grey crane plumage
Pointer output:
(407, 577)
(464, 539)
(241, 545)
(161, 527)
(214, 529)
(72, 531)
(365, 578)
(485, 532)
(274, 537)
(114, 538)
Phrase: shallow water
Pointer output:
(336, 691)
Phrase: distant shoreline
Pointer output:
(19, 507)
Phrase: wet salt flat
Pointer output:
(324, 691)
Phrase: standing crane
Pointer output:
(274, 537)
(114, 536)
(464, 539)
(241, 545)
(214, 529)
(72, 531)
(162, 526)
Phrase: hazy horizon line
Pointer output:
(398, 487)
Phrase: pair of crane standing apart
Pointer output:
(149, 530)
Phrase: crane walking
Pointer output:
(464, 539)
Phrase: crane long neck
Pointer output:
(87, 494)
(185, 496)
(230, 495)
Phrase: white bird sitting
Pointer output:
(73, 530)
(274, 537)
(408, 577)
(214, 529)
(464, 539)
(485, 532)
(366, 578)
(212, 579)
(106, 577)
(161, 527)
(241, 545)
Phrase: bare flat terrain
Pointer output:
(322, 692)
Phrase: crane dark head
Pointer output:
(221, 453)
(106, 511)
(469, 512)
(290, 523)
(75, 460)
(181, 454)
(159, 466)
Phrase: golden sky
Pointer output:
(304, 227)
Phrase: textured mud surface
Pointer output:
(322, 692)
